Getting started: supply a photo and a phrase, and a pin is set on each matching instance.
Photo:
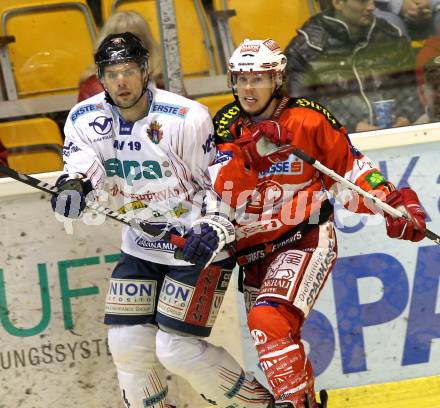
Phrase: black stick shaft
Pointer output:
(138, 224)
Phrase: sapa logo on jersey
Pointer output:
(259, 337)
(132, 170)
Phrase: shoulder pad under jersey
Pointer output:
(308, 103)
(223, 120)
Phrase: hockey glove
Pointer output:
(71, 200)
(275, 132)
(269, 144)
(413, 228)
(206, 239)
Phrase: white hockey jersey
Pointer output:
(154, 169)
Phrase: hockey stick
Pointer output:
(268, 148)
(140, 225)
(348, 184)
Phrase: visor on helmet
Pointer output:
(258, 79)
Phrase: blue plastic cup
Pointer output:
(385, 113)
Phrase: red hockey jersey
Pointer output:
(270, 204)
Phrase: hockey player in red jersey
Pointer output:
(286, 240)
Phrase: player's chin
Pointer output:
(250, 108)
(124, 103)
(367, 20)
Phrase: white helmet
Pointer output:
(258, 56)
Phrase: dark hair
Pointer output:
(326, 4)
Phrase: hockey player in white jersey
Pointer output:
(149, 149)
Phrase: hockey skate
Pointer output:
(323, 404)
(280, 405)
(323, 396)
(284, 405)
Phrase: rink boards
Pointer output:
(377, 321)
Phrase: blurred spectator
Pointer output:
(430, 50)
(381, 12)
(347, 59)
(121, 22)
(393, 19)
(421, 17)
(429, 91)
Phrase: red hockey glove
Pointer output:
(412, 229)
(261, 151)
(275, 132)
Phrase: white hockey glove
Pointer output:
(71, 200)
(206, 238)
